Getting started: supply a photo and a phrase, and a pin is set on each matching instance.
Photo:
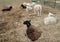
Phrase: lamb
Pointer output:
(32, 32)
(38, 9)
(23, 5)
(7, 9)
(28, 6)
(50, 19)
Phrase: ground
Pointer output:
(12, 28)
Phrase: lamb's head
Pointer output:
(27, 22)
(50, 14)
(11, 7)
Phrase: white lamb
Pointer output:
(38, 9)
(28, 8)
(50, 19)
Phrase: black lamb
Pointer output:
(7, 9)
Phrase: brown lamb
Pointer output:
(32, 32)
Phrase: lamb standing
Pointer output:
(32, 32)
(38, 9)
(26, 6)
(50, 19)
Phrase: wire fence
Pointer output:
(52, 3)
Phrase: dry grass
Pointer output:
(13, 30)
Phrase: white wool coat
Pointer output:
(50, 20)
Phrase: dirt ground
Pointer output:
(12, 28)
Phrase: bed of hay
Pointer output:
(12, 28)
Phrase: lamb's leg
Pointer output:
(34, 11)
(38, 13)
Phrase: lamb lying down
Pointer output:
(50, 19)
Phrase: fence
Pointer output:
(53, 3)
